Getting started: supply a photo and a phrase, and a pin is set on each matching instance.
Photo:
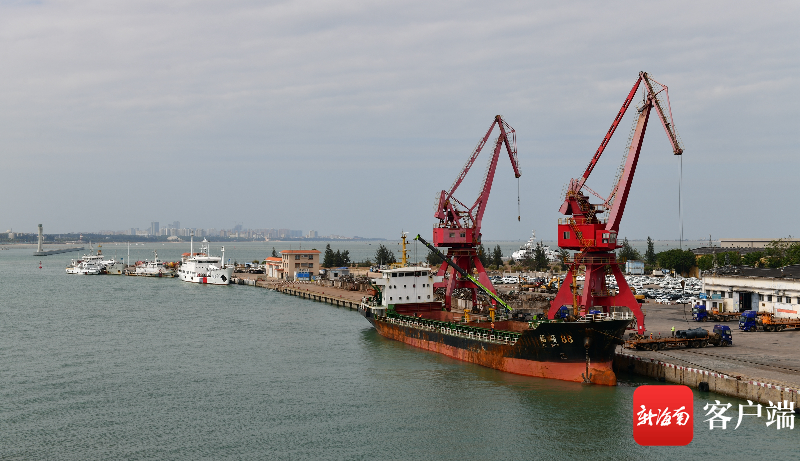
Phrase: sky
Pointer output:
(349, 117)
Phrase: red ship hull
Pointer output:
(558, 350)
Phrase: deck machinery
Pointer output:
(591, 232)
(459, 226)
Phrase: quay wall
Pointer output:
(347, 299)
(746, 389)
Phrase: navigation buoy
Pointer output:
(40, 264)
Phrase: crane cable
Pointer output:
(680, 210)
(519, 213)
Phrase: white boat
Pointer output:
(89, 264)
(81, 267)
(154, 268)
(113, 267)
(204, 268)
(528, 251)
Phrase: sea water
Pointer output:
(115, 367)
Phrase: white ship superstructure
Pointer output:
(204, 268)
(529, 249)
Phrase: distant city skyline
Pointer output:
(239, 231)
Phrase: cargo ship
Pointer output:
(403, 309)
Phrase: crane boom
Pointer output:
(579, 185)
(666, 119)
(446, 210)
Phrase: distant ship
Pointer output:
(529, 248)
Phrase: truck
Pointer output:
(766, 321)
(696, 337)
(639, 298)
(700, 313)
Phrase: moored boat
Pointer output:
(203, 268)
(94, 264)
(579, 351)
(154, 268)
(82, 267)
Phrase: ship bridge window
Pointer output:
(417, 274)
(409, 274)
(400, 274)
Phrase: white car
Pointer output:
(508, 279)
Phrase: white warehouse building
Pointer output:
(759, 289)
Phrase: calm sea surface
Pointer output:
(114, 367)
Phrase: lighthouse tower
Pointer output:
(41, 237)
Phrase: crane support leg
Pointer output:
(465, 259)
(595, 294)
(625, 298)
(564, 296)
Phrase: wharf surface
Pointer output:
(760, 366)
(330, 295)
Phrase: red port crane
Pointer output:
(459, 227)
(594, 236)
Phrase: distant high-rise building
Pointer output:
(132, 231)
(154, 228)
(312, 234)
(176, 225)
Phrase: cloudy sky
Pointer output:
(348, 117)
